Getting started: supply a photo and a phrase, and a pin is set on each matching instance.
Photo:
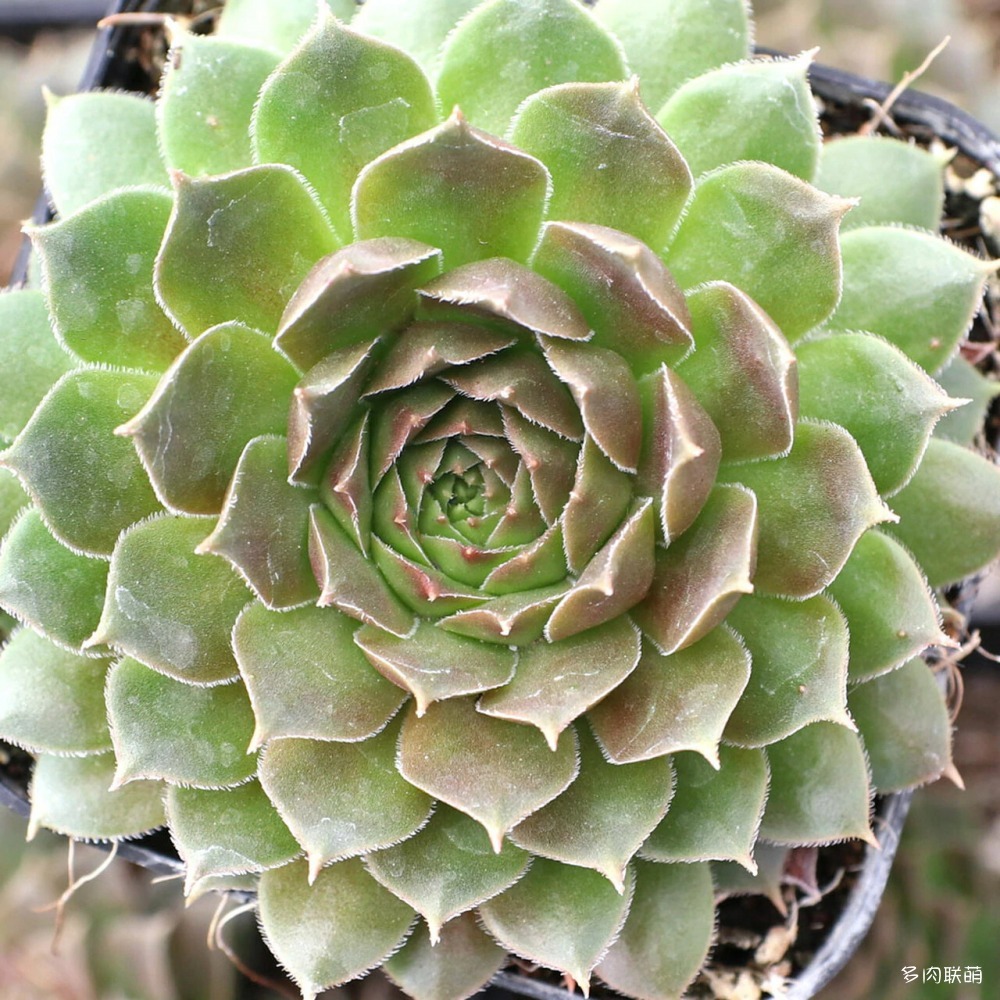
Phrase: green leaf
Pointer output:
(337, 102)
(670, 41)
(342, 799)
(949, 513)
(81, 131)
(627, 296)
(97, 266)
(316, 938)
(461, 963)
(277, 26)
(350, 581)
(455, 188)
(206, 102)
(418, 27)
(961, 380)
(447, 868)
(72, 796)
(186, 735)
(769, 233)
(715, 813)
(701, 576)
(432, 664)
(28, 345)
(891, 614)
(677, 702)
(667, 935)
(558, 681)
(13, 500)
(307, 678)
(611, 163)
(264, 527)
(423, 589)
(748, 111)
(495, 771)
(601, 820)
(237, 246)
(559, 916)
(904, 723)
(169, 608)
(895, 182)
(362, 291)
(918, 291)
(67, 440)
(230, 379)
(227, 832)
(743, 372)
(56, 591)
(51, 700)
(732, 879)
(887, 403)
(799, 676)
(514, 620)
(819, 788)
(815, 503)
(507, 50)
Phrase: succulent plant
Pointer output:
(481, 473)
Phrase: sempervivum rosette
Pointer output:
(498, 530)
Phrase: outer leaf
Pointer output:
(671, 703)
(447, 868)
(667, 934)
(558, 681)
(97, 266)
(455, 188)
(600, 821)
(51, 701)
(187, 735)
(904, 723)
(342, 799)
(495, 771)
(229, 379)
(315, 937)
(13, 499)
(228, 832)
(715, 813)
(962, 381)
(169, 608)
(611, 163)
(461, 963)
(560, 916)
(306, 677)
(68, 438)
(237, 246)
(895, 182)
(79, 132)
(338, 101)
(206, 100)
(732, 879)
(916, 290)
(886, 402)
(71, 796)
(28, 343)
(670, 41)
(890, 612)
(819, 788)
(506, 50)
(756, 111)
(264, 527)
(416, 26)
(278, 26)
(949, 513)
(432, 664)
(799, 675)
(701, 576)
(770, 234)
(54, 590)
(814, 505)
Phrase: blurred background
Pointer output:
(123, 938)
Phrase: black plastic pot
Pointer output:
(926, 114)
